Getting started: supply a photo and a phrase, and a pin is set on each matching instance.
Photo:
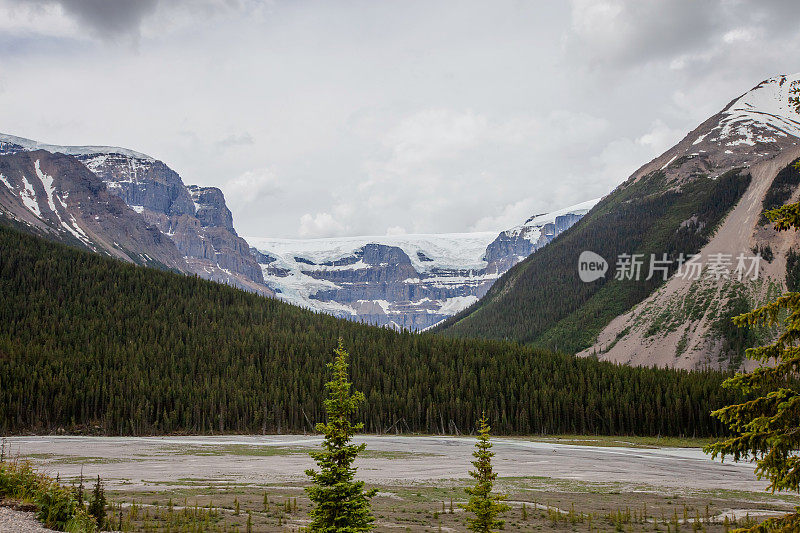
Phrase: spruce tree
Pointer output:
(767, 425)
(486, 507)
(340, 504)
(97, 506)
(79, 490)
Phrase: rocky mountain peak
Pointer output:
(53, 194)
(755, 126)
(761, 114)
(759, 122)
(195, 219)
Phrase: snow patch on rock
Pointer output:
(28, 196)
(765, 108)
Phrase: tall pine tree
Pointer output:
(486, 507)
(768, 425)
(341, 505)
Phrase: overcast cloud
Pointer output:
(358, 117)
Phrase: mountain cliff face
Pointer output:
(210, 208)
(408, 281)
(195, 219)
(704, 196)
(57, 196)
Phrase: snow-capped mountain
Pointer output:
(409, 281)
(703, 197)
(756, 125)
(194, 218)
(758, 132)
(760, 115)
(517, 243)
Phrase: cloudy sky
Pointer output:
(328, 118)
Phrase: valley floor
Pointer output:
(569, 487)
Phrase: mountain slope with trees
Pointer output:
(672, 205)
(543, 301)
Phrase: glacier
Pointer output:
(407, 281)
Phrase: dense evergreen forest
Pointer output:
(781, 189)
(542, 301)
(91, 344)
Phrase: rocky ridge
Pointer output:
(56, 196)
(194, 218)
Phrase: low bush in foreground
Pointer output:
(58, 506)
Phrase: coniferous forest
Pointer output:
(91, 344)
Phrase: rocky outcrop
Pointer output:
(515, 244)
(195, 218)
(210, 208)
(142, 182)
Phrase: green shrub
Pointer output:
(18, 481)
(58, 505)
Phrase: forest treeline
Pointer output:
(91, 344)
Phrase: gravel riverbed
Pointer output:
(130, 463)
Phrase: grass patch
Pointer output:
(537, 504)
(73, 459)
(388, 454)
